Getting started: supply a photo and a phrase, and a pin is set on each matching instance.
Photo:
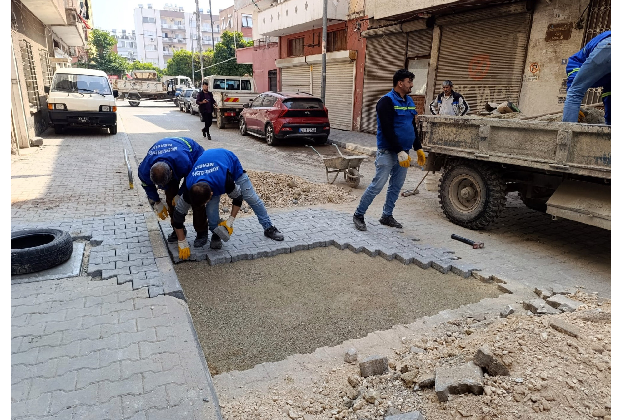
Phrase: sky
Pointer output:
(118, 14)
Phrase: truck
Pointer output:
(563, 169)
(230, 93)
(144, 85)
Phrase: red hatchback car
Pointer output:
(277, 116)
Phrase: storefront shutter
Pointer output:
(484, 58)
(339, 79)
(296, 79)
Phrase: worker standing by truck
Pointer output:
(206, 103)
(449, 102)
(589, 68)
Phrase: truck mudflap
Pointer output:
(584, 202)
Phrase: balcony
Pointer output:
(294, 16)
(50, 12)
(73, 33)
(165, 26)
(168, 39)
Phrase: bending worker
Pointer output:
(166, 164)
(217, 172)
(589, 68)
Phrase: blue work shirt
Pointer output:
(395, 123)
(180, 153)
(212, 167)
(576, 60)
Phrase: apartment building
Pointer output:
(126, 44)
(159, 33)
(45, 35)
(234, 20)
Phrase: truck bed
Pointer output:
(578, 149)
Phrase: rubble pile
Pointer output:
(479, 367)
(280, 190)
(508, 111)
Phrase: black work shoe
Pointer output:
(208, 136)
(201, 239)
(216, 242)
(172, 238)
(273, 233)
(359, 222)
(390, 221)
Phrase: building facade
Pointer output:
(45, 35)
(159, 33)
(126, 44)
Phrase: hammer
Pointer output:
(475, 245)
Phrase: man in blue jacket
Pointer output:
(396, 135)
(589, 68)
(217, 172)
(166, 164)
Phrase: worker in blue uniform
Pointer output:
(589, 68)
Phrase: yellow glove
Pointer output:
(421, 157)
(404, 159)
(183, 249)
(175, 200)
(228, 224)
(582, 117)
(161, 209)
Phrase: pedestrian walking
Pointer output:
(217, 172)
(449, 102)
(206, 104)
(396, 135)
(589, 68)
(166, 165)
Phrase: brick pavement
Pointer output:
(114, 343)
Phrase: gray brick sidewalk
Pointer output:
(116, 343)
(354, 141)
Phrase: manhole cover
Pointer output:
(264, 310)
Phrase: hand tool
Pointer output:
(415, 191)
(474, 244)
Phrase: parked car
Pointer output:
(178, 92)
(278, 116)
(184, 99)
(193, 106)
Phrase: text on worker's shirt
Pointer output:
(199, 172)
(161, 149)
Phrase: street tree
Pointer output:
(101, 55)
(224, 55)
(138, 65)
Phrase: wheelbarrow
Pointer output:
(348, 165)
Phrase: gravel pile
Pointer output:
(551, 375)
(279, 190)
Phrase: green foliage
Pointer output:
(181, 64)
(225, 50)
(101, 56)
(138, 65)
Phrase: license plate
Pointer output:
(307, 130)
(83, 119)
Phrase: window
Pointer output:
(246, 85)
(178, 22)
(296, 47)
(269, 101)
(30, 73)
(303, 103)
(337, 40)
(149, 47)
(65, 82)
(165, 34)
(246, 21)
(272, 76)
(419, 67)
(46, 66)
(148, 19)
(121, 44)
(257, 103)
(149, 33)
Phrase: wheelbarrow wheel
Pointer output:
(352, 177)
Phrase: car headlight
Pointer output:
(57, 106)
(105, 108)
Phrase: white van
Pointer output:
(81, 97)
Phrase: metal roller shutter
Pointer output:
(484, 59)
(296, 79)
(419, 43)
(339, 81)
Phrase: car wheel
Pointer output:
(221, 124)
(187, 108)
(243, 129)
(113, 129)
(59, 129)
(39, 249)
(270, 136)
(191, 110)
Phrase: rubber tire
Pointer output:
(353, 182)
(492, 191)
(59, 129)
(220, 121)
(134, 103)
(113, 129)
(243, 129)
(191, 110)
(186, 109)
(42, 257)
(270, 136)
(320, 141)
(181, 107)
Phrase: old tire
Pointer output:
(39, 249)
(220, 121)
(134, 103)
(270, 136)
(352, 177)
(471, 194)
(243, 129)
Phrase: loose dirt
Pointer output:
(264, 310)
(552, 375)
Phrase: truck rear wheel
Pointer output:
(134, 103)
(220, 120)
(471, 195)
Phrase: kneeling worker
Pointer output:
(217, 172)
(166, 164)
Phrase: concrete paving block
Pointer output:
(565, 328)
(458, 380)
(539, 307)
(563, 303)
(561, 289)
(218, 257)
(443, 266)
(412, 415)
(356, 246)
(373, 365)
(404, 257)
(485, 358)
(543, 292)
(422, 261)
(387, 254)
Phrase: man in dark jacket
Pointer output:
(449, 102)
(217, 172)
(396, 135)
(206, 103)
(166, 164)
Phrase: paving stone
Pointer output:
(108, 410)
(485, 358)
(413, 415)
(565, 328)
(543, 292)
(539, 307)
(63, 400)
(130, 386)
(458, 380)
(508, 310)
(373, 365)
(155, 399)
(563, 303)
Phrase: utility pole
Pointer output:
(193, 73)
(202, 74)
(324, 48)
(212, 36)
